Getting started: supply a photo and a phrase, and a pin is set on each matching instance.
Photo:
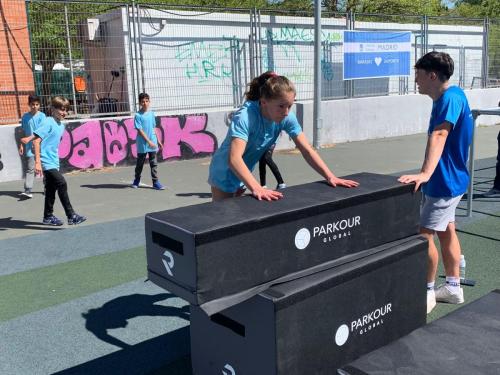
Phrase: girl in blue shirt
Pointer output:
(254, 128)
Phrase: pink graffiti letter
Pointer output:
(192, 134)
(87, 145)
(65, 145)
(116, 141)
(132, 134)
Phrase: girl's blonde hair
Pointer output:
(269, 85)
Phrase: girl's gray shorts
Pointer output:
(437, 213)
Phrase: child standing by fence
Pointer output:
(147, 142)
(30, 122)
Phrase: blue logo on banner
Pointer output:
(369, 54)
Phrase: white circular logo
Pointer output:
(302, 238)
(342, 335)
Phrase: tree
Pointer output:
(480, 9)
(402, 7)
(49, 42)
(330, 5)
(477, 8)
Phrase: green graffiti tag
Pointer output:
(205, 61)
(297, 34)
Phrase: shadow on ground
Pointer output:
(162, 354)
(166, 354)
(15, 195)
(117, 312)
(107, 186)
(10, 223)
(199, 195)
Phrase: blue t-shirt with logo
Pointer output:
(451, 177)
(147, 122)
(50, 131)
(30, 123)
(259, 133)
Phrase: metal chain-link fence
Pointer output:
(493, 51)
(101, 54)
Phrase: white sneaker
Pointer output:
(281, 186)
(492, 193)
(431, 300)
(26, 194)
(444, 294)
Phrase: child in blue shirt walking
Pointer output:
(254, 129)
(30, 122)
(46, 144)
(147, 142)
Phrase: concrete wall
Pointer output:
(98, 143)
(384, 116)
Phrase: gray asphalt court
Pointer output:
(75, 300)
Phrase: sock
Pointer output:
(430, 286)
(453, 283)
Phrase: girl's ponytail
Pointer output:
(269, 85)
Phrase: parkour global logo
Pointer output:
(328, 232)
(228, 370)
(302, 238)
(363, 324)
(168, 262)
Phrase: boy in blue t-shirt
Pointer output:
(47, 138)
(147, 142)
(30, 122)
(444, 176)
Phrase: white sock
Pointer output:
(453, 283)
(430, 286)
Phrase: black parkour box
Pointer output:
(318, 323)
(464, 342)
(208, 251)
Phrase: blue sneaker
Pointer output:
(52, 220)
(158, 186)
(76, 219)
(136, 183)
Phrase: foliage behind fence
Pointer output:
(101, 54)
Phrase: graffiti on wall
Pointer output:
(205, 61)
(295, 44)
(208, 61)
(300, 34)
(111, 142)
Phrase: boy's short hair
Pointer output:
(60, 102)
(33, 98)
(438, 62)
(143, 95)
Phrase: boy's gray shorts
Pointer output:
(437, 213)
